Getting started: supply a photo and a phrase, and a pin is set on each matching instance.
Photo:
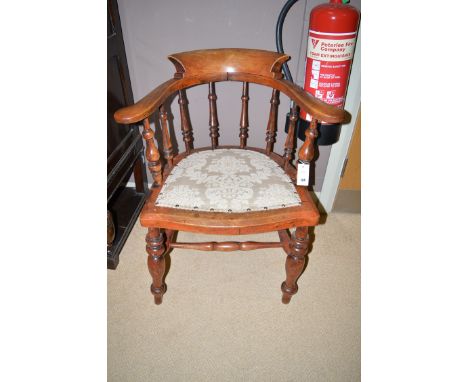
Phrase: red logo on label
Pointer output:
(314, 42)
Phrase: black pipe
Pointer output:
(279, 35)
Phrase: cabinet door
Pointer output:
(119, 91)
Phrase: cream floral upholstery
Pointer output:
(228, 180)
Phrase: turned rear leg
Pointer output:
(156, 262)
(295, 262)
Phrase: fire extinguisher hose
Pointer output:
(279, 35)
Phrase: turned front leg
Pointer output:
(295, 263)
(156, 263)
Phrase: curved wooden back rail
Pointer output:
(208, 67)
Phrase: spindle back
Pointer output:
(214, 65)
(217, 65)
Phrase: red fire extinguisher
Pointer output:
(331, 41)
(330, 49)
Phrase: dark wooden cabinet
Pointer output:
(124, 146)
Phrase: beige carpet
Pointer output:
(222, 318)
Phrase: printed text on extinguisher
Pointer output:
(331, 50)
(328, 64)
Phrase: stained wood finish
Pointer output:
(295, 263)
(168, 152)
(186, 125)
(170, 234)
(208, 67)
(306, 152)
(285, 239)
(214, 131)
(231, 245)
(151, 102)
(244, 120)
(272, 121)
(227, 246)
(152, 154)
(289, 144)
(230, 60)
(156, 263)
(319, 109)
(250, 67)
(306, 214)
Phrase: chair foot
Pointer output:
(287, 293)
(295, 263)
(158, 293)
(156, 262)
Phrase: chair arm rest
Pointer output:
(313, 106)
(318, 109)
(147, 105)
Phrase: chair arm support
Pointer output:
(307, 150)
(152, 101)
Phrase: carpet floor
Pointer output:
(222, 318)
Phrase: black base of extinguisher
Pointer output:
(328, 134)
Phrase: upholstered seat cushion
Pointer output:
(228, 180)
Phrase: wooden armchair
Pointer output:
(232, 190)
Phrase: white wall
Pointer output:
(153, 29)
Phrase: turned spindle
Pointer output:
(152, 154)
(306, 152)
(214, 124)
(244, 120)
(272, 121)
(295, 263)
(214, 131)
(156, 263)
(186, 125)
(168, 154)
(289, 144)
(227, 246)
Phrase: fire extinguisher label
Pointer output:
(330, 50)
(329, 58)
